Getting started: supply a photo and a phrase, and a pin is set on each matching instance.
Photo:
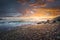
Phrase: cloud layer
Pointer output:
(19, 7)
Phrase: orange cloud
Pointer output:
(41, 5)
(46, 13)
(50, 0)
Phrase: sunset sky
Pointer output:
(29, 8)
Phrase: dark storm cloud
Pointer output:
(43, 3)
(8, 7)
(40, 2)
(55, 4)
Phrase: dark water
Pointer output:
(5, 26)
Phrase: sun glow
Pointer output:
(41, 14)
(47, 13)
